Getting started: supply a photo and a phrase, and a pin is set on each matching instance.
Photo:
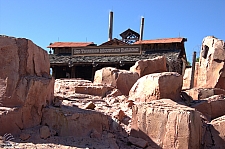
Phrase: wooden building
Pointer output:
(82, 59)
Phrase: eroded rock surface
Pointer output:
(25, 84)
(166, 124)
(211, 71)
(148, 66)
(157, 86)
(120, 79)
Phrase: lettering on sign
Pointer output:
(117, 50)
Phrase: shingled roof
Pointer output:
(69, 44)
(162, 40)
(61, 59)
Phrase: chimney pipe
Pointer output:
(110, 25)
(141, 28)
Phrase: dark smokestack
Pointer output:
(110, 25)
(141, 28)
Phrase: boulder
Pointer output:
(120, 79)
(157, 86)
(211, 71)
(45, 132)
(73, 121)
(215, 134)
(212, 107)
(202, 93)
(25, 84)
(166, 124)
(71, 86)
(138, 142)
(148, 66)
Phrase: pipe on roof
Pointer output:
(110, 25)
(141, 29)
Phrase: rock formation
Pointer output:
(167, 124)
(120, 79)
(148, 66)
(25, 84)
(157, 86)
(211, 71)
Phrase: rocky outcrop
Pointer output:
(212, 107)
(75, 122)
(148, 66)
(202, 93)
(25, 84)
(211, 71)
(157, 86)
(120, 79)
(215, 134)
(166, 124)
(82, 87)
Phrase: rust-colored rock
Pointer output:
(166, 124)
(202, 93)
(74, 122)
(157, 86)
(25, 82)
(72, 86)
(212, 107)
(148, 66)
(138, 142)
(120, 79)
(211, 71)
(215, 134)
(45, 132)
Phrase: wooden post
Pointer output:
(193, 70)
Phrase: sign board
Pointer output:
(107, 50)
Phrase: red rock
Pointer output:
(202, 93)
(167, 124)
(215, 134)
(45, 132)
(119, 115)
(211, 69)
(148, 66)
(157, 86)
(71, 86)
(74, 121)
(211, 107)
(25, 82)
(90, 105)
(138, 142)
(24, 136)
(120, 79)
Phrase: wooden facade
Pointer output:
(81, 60)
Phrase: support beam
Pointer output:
(193, 70)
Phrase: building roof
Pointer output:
(114, 41)
(162, 40)
(69, 44)
(63, 60)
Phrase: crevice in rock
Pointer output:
(218, 60)
(208, 128)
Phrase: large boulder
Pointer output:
(25, 84)
(74, 121)
(157, 86)
(148, 66)
(211, 71)
(120, 79)
(211, 107)
(167, 124)
(215, 134)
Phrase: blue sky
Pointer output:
(46, 21)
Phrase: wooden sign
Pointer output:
(107, 50)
